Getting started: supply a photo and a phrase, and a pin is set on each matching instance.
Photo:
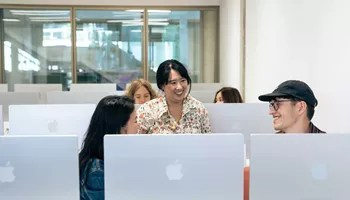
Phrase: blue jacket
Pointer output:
(92, 181)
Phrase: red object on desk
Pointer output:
(246, 183)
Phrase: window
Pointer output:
(110, 45)
(35, 40)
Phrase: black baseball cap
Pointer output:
(292, 88)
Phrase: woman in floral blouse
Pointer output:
(175, 111)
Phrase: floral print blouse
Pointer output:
(154, 117)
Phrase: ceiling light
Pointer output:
(10, 20)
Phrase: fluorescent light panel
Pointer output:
(135, 20)
(40, 12)
(48, 18)
(10, 20)
(151, 11)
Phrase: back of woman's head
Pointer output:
(163, 72)
(229, 95)
(137, 84)
(111, 114)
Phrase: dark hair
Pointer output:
(163, 72)
(310, 110)
(229, 95)
(111, 114)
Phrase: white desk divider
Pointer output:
(39, 167)
(41, 88)
(2, 131)
(174, 166)
(17, 98)
(245, 118)
(204, 96)
(37, 87)
(239, 117)
(69, 97)
(206, 86)
(3, 88)
(299, 166)
(93, 87)
(50, 119)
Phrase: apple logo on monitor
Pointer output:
(174, 171)
(6, 173)
(319, 171)
(52, 126)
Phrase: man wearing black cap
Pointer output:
(292, 106)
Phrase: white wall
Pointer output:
(306, 40)
(230, 43)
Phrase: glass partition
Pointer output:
(109, 46)
(176, 34)
(37, 46)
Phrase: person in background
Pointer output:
(141, 91)
(113, 115)
(228, 95)
(292, 106)
(175, 111)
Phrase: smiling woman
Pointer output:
(175, 111)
